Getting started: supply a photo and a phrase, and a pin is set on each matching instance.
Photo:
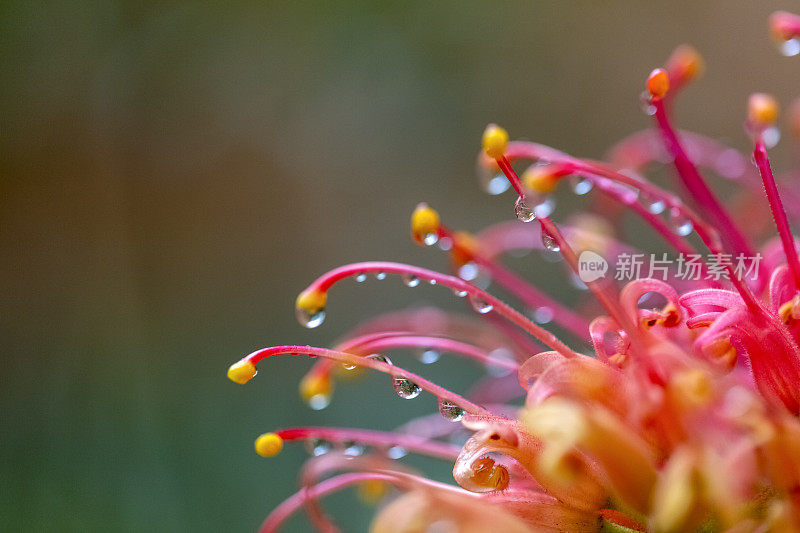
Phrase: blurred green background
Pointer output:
(173, 173)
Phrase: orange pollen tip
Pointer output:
(686, 63)
(495, 141)
(762, 109)
(721, 351)
(670, 316)
(658, 83)
(540, 179)
(424, 222)
(785, 312)
(268, 445)
(241, 372)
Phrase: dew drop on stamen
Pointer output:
(789, 47)
(460, 293)
(430, 239)
(317, 447)
(549, 242)
(353, 448)
(480, 305)
(543, 315)
(405, 388)
(445, 244)
(653, 204)
(432, 281)
(379, 357)
(410, 280)
(581, 185)
(318, 402)
(771, 136)
(396, 452)
(496, 184)
(450, 411)
(523, 212)
(380, 276)
(360, 277)
(468, 271)
(646, 103)
(679, 223)
(428, 356)
(308, 319)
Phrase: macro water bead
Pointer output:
(669, 401)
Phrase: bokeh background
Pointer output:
(173, 173)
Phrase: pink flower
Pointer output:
(685, 417)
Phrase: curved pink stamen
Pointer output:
(778, 213)
(387, 439)
(326, 281)
(527, 293)
(369, 343)
(350, 359)
(696, 185)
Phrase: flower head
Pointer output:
(674, 408)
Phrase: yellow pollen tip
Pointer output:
(658, 83)
(495, 141)
(315, 384)
(689, 61)
(241, 372)
(424, 222)
(538, 178)
(311, 300)
(762, 109)
(268, 445)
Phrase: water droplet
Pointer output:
(581, 185)
(348, 366)
(523, 212)
(543, 315)
(446, 244)
(651, 203)
(432, 281)
(459, 293)
(353, 448)
(380, 276)
(771, 136)
(679, 223)
(496, 184)
(480, 305)
(450, 411)
(545, 208)
(360, 277)
(405, 388)
(549, 242)
(379, 357)
(308, 319)
(430, 239)
(318, 402)
(468, 271)
(410, 280)
(428, 356)
(790, 47)
(396, 452)
(317, 447)
(503, 354)
(646, 103)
